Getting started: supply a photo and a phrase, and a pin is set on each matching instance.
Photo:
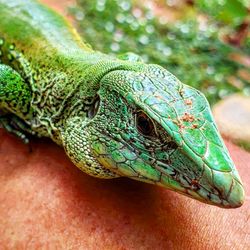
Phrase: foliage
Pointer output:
(188, 48)
(231, 12)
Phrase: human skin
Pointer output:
(46, 202)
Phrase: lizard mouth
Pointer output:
(228, 194)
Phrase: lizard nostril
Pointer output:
(195, 185)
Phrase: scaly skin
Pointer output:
(113, 116)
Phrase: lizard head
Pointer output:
(150, 127)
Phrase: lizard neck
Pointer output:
(61, 70)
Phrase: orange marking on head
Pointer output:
(187, 117)
(188, 102)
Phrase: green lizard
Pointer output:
(113, 116)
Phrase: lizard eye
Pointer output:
(93, 107)
(144, 124)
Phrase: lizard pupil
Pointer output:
(144, 124)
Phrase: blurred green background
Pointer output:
(205, 43)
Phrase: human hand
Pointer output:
(46, 202)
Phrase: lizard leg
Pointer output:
(15, 94)
(15, 99)
(14, 125)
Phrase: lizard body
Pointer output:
(113, 116)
